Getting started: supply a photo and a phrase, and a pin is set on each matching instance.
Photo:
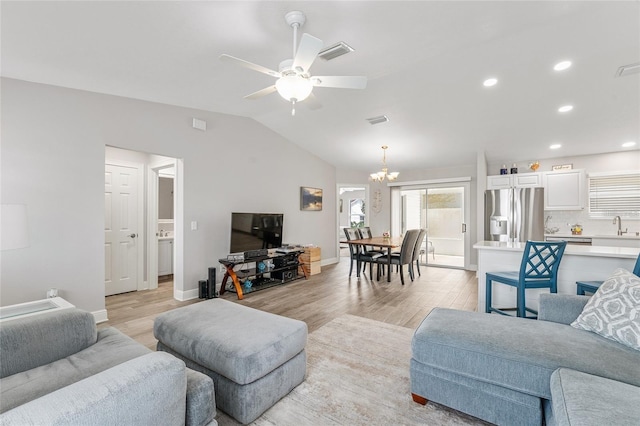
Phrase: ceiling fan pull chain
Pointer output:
(293, 107)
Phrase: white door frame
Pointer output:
(153, 174)
(141, 285)
(367, 211)
(437, 183)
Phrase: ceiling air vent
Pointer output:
(628, 69)
(334, 51)
(377, 120)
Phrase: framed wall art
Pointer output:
(310, 199)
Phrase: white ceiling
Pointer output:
(425, 61)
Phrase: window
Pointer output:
(356, 212)
(614, 194)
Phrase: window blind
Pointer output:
(614, 194)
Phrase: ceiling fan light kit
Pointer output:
(384, 173)
(294, 83)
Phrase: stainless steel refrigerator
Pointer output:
(515, 214)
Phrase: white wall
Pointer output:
(609, 162)
(53, 153)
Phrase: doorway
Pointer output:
(353, 211)
(148, 225)
(162, 209)
(442, 209)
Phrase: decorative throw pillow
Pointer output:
(614, 310)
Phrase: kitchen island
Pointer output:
(579, 263)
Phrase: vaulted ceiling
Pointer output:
(425, 62)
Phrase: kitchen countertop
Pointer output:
(596, 251)
(621, 237)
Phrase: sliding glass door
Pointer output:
(441, 210)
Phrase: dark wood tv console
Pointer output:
(262, 272)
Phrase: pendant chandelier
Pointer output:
(384, 173)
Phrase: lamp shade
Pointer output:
(14, 232)
(294, 87)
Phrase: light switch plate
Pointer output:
(199, 124)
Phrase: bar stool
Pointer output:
(538, 269)
(593, 286)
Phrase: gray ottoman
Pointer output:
(254, 357)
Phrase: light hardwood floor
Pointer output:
(317, 300)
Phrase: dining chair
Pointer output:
(365, 232)
(416, 253)
(358, 254)
(405, 256)
(593, 286)
(538, 269)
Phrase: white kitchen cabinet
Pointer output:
(564, 190)
(165, 257)
(518, 180)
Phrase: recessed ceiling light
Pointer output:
(490, 82)
(561, 66)
(555, 146)
(565, 108)
(628, 144)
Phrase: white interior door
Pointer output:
(121, 229)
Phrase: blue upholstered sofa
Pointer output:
(57, 368)
(516, 371)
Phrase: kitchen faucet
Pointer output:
(619, 222)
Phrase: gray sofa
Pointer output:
(57, 368)
(509, 371)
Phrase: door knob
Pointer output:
(133, 235)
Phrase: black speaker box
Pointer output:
(211, 290)
(285, 275)
(203, 289)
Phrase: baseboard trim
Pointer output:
(329, 261)
(185, 295)
(473, 268)
(100, 316)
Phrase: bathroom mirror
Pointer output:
(165, 197)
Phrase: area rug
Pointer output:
(357, 374)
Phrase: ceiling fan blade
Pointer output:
(312, 102)
(250, 65)
(260, 93)
(308, 49)
(341, 82)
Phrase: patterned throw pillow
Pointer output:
(614, 310)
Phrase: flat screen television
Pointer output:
(253, 231)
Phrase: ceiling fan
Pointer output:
(295, 83)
